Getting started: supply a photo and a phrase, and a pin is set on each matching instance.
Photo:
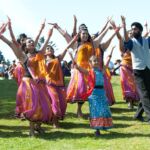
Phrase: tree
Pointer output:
(1, 57)
(40, 42)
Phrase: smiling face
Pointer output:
(94, 61)
(49, 51)
(84, 35)
(30, 47)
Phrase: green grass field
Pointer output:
(74, 134)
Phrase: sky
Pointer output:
(27, 16)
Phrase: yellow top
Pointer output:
(85, 51)
(54, 73)
(126, 59)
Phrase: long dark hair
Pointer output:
(23, 46)
(83, 27)
(21, 36)
(53, 56)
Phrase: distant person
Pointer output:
(111, 65)
(2, 69)
(66, 68)
(116, 70)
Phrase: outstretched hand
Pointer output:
(109, 19)
(54, 24)
(75, 18)
(9, 22)
(123, 19)
(3, 28)
(43, 24)
(146, 24)
(113, 24)
(118, 29)
(51, 31)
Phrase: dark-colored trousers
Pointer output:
(142, 78)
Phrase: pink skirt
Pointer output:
(129, 89)
(58, 99)
(109, 90)
(77, 86)
(33, 101)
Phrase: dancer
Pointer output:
(129, 88)
(107, 80)
(139, 47)
(55, 81)
(100, 114)
(32, 101)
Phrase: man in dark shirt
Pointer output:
(140, 53)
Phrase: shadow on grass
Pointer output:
(119, 125)
(55, 135)
(7, 111)
(71, 125)
(114, 135)
(7, 134)
(121, 110)
(120, 102)
(18, 131)
(69, 135)
(14, 131)
(123, 118)
(74, 115)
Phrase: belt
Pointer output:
(99, 87)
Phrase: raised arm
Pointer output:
(3, 28)
(147, 31)
(106, 44)
(61, 56)
(114, 27)
(126, 37)
(62, 32)
(18, 53)
(109, 56)
(4, 39)
(97, 40)
(74, 26)
(118, 36)
(40, 31)
(11, 32)
(108, 20)
(47, 40)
